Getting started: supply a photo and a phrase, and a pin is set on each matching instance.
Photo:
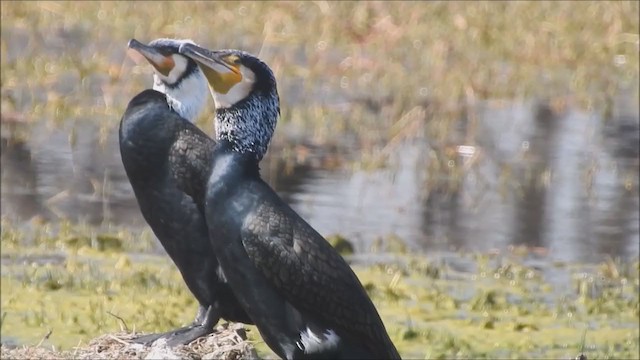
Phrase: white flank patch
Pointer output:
(314, 343)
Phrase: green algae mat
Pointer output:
(79, 285)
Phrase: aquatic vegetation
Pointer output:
(340, 243)
(442, 306)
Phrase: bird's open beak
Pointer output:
(221, 75)
(164, 64)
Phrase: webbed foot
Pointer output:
(188, 336)
(203, 325)
(151, 338)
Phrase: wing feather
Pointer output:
(310, 274)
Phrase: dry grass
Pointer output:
(228, 343)
(343, 67)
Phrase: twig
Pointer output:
(4, 315)
(121, 319)
(119, 340)
(582, 356)
(46, 337)
(75, 350)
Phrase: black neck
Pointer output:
(227, 156)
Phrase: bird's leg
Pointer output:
(201, 315)
(203, 319)
(210, 317)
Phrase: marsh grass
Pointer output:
(431, 310)
(354, 68)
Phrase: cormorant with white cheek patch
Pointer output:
(157, 139)
(303, 297)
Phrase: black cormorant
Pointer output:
(303, 297)
(155, 128)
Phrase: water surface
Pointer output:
(565, 183)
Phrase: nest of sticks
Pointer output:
(228, 342)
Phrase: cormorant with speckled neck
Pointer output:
(156, 131)
(303, 297)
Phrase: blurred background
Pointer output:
(447, 125)
(406, 126)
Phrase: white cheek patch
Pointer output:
(238, 92)
(314, 343)
(189, 98)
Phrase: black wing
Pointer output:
(310, 274)
(190, 159)
(191, 162)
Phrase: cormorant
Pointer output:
(156, 126)
(301, 294)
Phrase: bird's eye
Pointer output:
(233, 60)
